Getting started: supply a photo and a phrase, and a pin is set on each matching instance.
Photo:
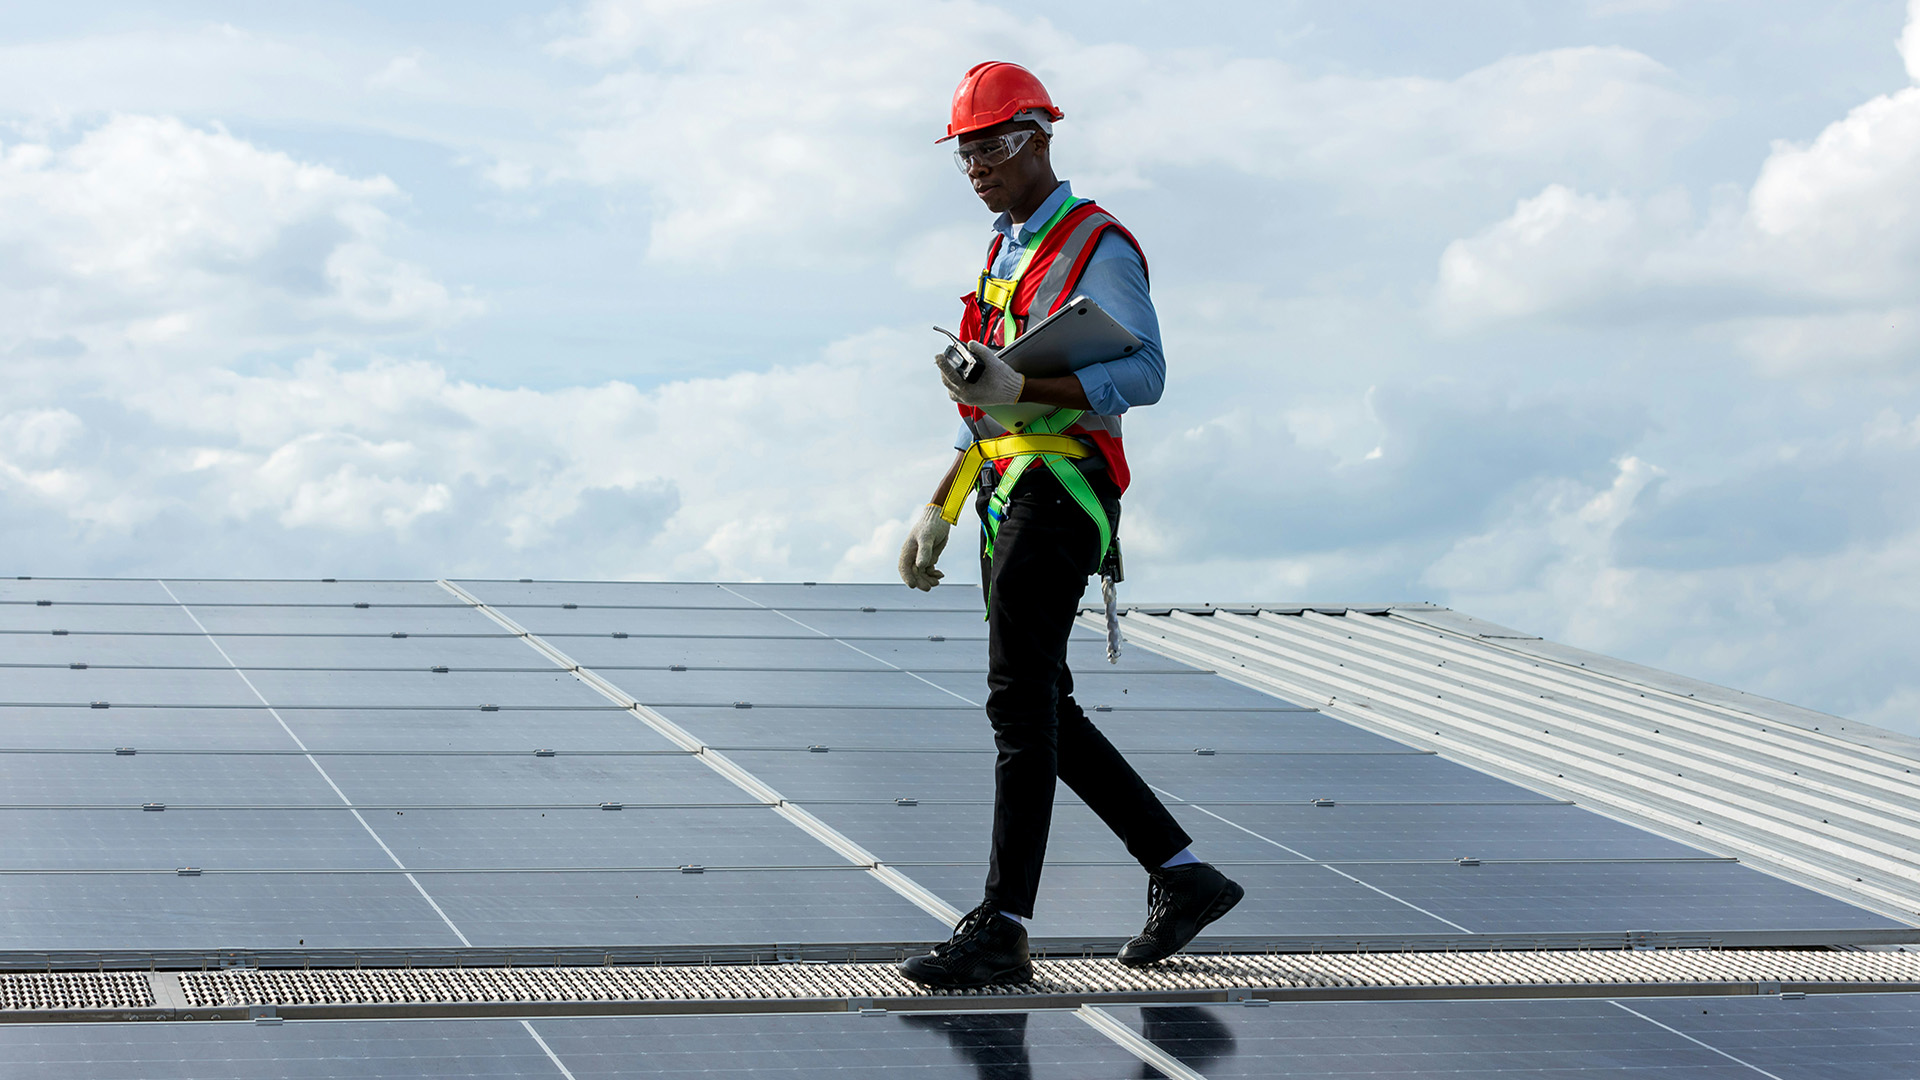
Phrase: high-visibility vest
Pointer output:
(1049, 276)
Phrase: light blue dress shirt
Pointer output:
(1116, 279)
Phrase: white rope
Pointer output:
(1113, 618)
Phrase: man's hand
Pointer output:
(925, 541)
(997, 384)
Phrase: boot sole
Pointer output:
(1009, 977)
(1229, 897)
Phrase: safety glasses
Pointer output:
(990, 152)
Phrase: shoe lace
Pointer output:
(1159, 904)
(967, 932)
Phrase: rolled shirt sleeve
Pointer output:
(1116, 279)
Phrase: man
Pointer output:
(1047, 523)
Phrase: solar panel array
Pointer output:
(325, 766)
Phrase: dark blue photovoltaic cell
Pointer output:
(512, 595)
(345, 619)
(408, 780)
(927, 1046)
(151, 729)
(956, 727)
(146, 650)
(135, 839)
(415, 652)
(1274, 731)
(872, 776)
(105, 779)
(549, 688)
(516, 730)
(1605, 897)
(1822, 1037)
(960, 832)
(1513, 1040)
(117, 685)
(1536, 831)
(1358, 777)
(82, 590)
(1097, 687)
(214, 910)
(847, 689)
(795, 597)
(722, 907)
(467, 729)
(1222, 777)
(196, 592)
(117, 618)
(611, 656)
(856, 624)
(202, 1050)
(1078, 900)
(727, 622)
(590, 837)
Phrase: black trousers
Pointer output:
(1046, 549)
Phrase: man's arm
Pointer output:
(946, 482)
(1115, 279)
(1056, 390)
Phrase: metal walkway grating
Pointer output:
(64, 990)
(813, 987)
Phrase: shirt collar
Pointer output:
(1004, 223)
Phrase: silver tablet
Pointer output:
(1068, 340)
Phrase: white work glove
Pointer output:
(998, 383)
(925, 541)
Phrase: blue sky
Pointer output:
(1598, 319)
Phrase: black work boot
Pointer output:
(986, 949)
(1180, 900)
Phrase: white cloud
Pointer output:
(147, 234)
(735, 477)
(1817, 266)
(764, 130)
(1910, 40)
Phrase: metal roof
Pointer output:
(1818, 799)
(571, 828)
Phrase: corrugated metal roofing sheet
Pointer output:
(1821, 800)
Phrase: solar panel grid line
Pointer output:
(1744, 753)
(1568, 742)
(921, 897)
(565, 1072)
(1308, 858)
(421, 889)
(1697, 1042)
(845, 641)
(1104, 1023)
(1697, 819)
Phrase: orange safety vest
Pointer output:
(1048, 281)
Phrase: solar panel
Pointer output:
(933, 1046)
(1820, 1036)
(486, 648)
(216, 910)
(642, 908)
(508, 803)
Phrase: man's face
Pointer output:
(1007, 184)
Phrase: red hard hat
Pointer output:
(991, 93)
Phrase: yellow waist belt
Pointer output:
(1004, 446)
